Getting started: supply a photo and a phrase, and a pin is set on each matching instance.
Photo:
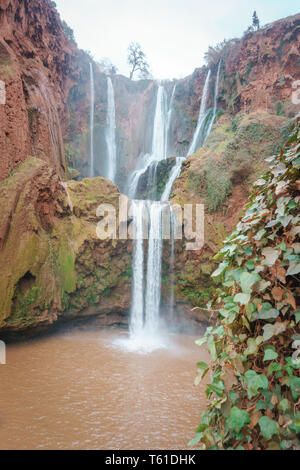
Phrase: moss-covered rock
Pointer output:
(53, 263)
(220, 176)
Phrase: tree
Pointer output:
(255, 20)
(106, 66)
(220, 51)
(137, 60)
(68, 32)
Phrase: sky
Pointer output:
(174, 34)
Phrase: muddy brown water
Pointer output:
(84, 390)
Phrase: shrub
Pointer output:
(279, 110)
(217, 186)
(68, 32)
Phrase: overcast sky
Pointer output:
(174, 34)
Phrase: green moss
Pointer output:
(218, 185)
(66, 268)
(279, 50)
(279, 109)
(249, 67)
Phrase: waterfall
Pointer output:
(169, 120)
(153, 290)
(198, 135)
(147, 270)
(215, 103)
(111, 132)
(175, 172)
(92, 114)
(172, 263)
(137, 308)
(158, 149)
(159, 127)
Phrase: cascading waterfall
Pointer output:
(146, 290)
(154, 264)
(159, 138)
(169, 120)
(174, 173)
(215, 103)
(172, 263)
(111, 133)
(159, 128)
(92, 119)
(137, 307)
(198, 137)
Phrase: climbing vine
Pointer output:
(254, 391)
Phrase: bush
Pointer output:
(279, 110)
(217, 186)
(68, 32)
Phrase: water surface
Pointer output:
(84, 390)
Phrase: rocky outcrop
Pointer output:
(257, 72)
(35, 60)
(220, 176)
(53, 265)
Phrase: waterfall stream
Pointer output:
(92, 119)
(215, 103)
(111, 133)
(199, 136)
(169, 120)
(147, 215)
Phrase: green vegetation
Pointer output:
(255, 21)
(217, 186)
(254, 389)
(69, 32)
(279, 110)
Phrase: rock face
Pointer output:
(53, 265)
(220, 176)
(256, 72)
(34, 64)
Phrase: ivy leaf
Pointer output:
(216, 387)
(255, 382)
(201, 341)
(202, 371)
(222, 267)
(212, 348)
(242, 299)
(272, 330)
(253, 344)
(237, 419)
(271, 255)
(247, 280)
(285, 220)
(260, 234)
(284, 405)
(293, 269)
(274, 367)
(268, 427)
(270, 354)
(196, 439)
(267, 311)
(294, 383)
